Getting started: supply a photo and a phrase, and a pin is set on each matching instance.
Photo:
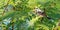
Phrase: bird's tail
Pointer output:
(49, 18)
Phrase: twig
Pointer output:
(5, 7)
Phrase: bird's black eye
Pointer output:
(39, 12)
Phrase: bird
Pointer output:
(41, 13)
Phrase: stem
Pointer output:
(5, 7)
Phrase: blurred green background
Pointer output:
(18, 15)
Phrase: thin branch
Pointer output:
(5, 7)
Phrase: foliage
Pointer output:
(20, 14)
